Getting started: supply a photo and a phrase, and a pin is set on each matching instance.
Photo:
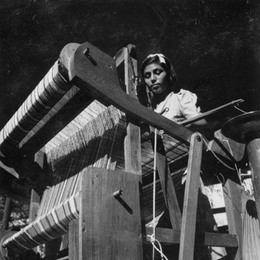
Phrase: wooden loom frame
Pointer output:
(126, 207)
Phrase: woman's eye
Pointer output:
(158, 72)
(147, 75)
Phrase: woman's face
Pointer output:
(155, 78)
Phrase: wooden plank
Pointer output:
(74, 240)
(109, 226)
(220, 240)
(164, 235)
(167, 185)
(95, 71)
(133, 149)
(34, 205)
(172, 236)
(119, 57)
(7, 213)
(232, 197)
(191, 199)
(133, 137)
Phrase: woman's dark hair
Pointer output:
(144, 95)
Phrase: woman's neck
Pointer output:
(157, 99)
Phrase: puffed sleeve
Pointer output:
(188, 102)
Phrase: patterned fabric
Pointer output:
(45, 228)
(46, 94)
(250, 225)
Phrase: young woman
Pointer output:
(162, 93)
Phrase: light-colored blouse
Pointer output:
(181, 105)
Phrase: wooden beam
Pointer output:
(133, 137)
(191, 199)
(34, 205)
(172, 236)
(7, 213)
(220, 240)
(9, 169)
(95, 71)
(74, 240)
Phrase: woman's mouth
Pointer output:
(155, 87)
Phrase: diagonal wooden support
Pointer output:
(7, 213)
(167, 185)
(188, 227)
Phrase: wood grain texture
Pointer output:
(191, 199)
(109, 228)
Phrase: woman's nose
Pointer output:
(153, 78)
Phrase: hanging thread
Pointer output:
(152, 237)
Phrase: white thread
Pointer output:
(223, 178)
(153, 241)
(208, 147)
(154, 182)
(152, 237)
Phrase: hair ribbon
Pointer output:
(159, 55)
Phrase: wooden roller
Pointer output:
(47, 94)
(59, 205)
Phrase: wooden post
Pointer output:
(188, 227)
(7, 213)
(133, 138)
(109, 221)
(34, 205)
(232, 197)
(74, 240)
(167, 185)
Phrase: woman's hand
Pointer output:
(179, 119)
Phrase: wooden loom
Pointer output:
(100, 208)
